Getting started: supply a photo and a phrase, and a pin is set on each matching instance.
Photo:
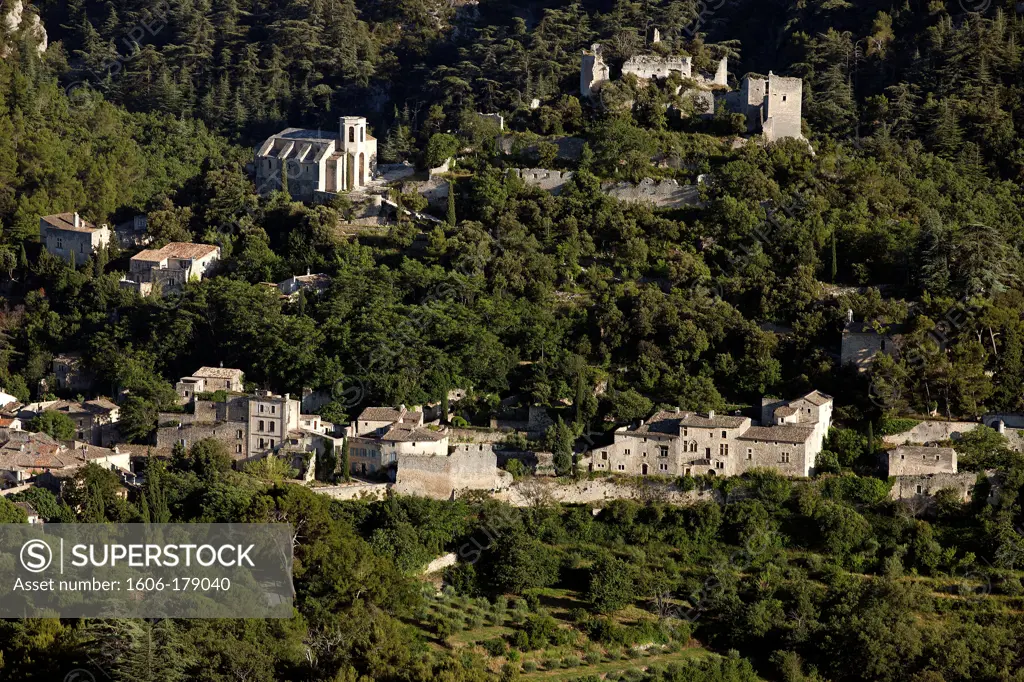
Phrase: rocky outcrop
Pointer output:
(15, 17)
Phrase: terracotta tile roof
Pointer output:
(217, 373)
(669, 422)
(817, 398)
(780, 434)
(785, 411)
(406, 433)
(6, 422)
(181, 250)
(66, 221)
(380, 414)
(102, 404)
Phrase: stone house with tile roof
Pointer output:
(169, 267)
(208, 380)
(93, 419)
(682, 443)
(67, 236)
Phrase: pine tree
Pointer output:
(23, 260)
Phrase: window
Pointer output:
(261, 408)
(693, 446)
(238, 448)
(645, 440)
(723, 450)
(903, 456)
(414, 444)
(238, 433)
(723, 434)
(719, 465)
(362, 133)
(627, 451)
(936, 458)
(262, 443)
(263, 425)
(271, 427)
(663, 451)
(684, 432)
(707, 452)
(622, 467)
(351, 134)
(273, 409)
(785, 458)
(604, 454)
(271, 442)
(687, 471)
(919, 490)
(750, 453)
(783, 98)
(663, 466)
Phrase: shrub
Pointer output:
(890, 427)
(529, 666)
(495, 647)
(592, 657)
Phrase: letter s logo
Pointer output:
(36, 556)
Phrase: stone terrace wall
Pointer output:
(931, 431)
(527, 492)
(354, 491)
(906, 488)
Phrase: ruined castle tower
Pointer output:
(593, 71)
(782, 108)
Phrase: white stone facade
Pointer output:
(679, 443)
(68, 236)
(319, 164)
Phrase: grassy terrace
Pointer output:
(494, 630)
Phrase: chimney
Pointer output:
(642, 422)
(78, 221)
(711, 414)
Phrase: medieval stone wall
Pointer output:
(782, 108)
(648, 66)
(442, 477)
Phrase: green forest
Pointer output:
(905, 206)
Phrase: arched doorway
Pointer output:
(643, 469)
(711, 472)
(362, 169)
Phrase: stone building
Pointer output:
(909, 460)
(168, 268)
(319, 164)
(380, 435)
(69, 373)
(311, 283)
(772, 105)
(862, 343)
(68, 236)
(92, 418)
(250, 426)
(680, 443)
(593, 71)
(24, 456)
(443, 476)
(207, 380)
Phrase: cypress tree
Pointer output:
(284, 177)
(835, 266)
(23, 259)
(345, 469)
(451, 203)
